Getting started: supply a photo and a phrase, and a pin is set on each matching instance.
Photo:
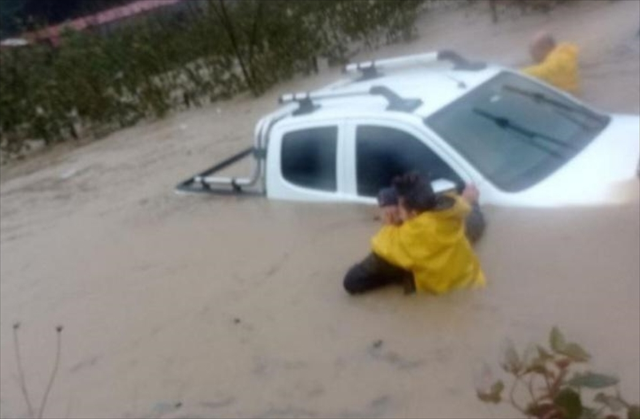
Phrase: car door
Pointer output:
(377, 150)
(306, 161)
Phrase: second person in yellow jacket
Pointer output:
(556, 64)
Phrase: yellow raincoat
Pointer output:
(433, 246)
(559, 69)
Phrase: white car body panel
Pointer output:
(602, 173)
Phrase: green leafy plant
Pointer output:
(557, 384)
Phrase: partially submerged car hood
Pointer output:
(605, 172)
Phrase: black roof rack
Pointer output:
(306, 104)
(372, 69)
(459, 62)
(396, 102)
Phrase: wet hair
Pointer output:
(416, 192)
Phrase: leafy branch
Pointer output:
(561, 395)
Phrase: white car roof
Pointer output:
(435, 86)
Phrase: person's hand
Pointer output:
(390, 215)
(471, 193)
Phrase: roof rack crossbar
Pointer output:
(396, 102)
(307, 96)
(307, 105)
(459, 62)
(370, 69)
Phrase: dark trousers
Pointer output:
(374, 272)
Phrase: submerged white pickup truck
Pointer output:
(522, 142)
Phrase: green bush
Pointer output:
(215, 49)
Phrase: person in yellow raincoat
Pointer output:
(556, 64)
(427, 249)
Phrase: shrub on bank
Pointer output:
(100, 82)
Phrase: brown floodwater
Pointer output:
(192, 306)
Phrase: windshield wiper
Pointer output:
(505, 123)
(540, 97)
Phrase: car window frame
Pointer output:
(281, 186)
(413, 128)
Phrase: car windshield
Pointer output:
(516, 132)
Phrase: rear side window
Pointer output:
(383, 153)
(309, 158)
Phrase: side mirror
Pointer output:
(443, 185)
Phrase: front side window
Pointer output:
(383, 153)
(516, 132)
(308, 158)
